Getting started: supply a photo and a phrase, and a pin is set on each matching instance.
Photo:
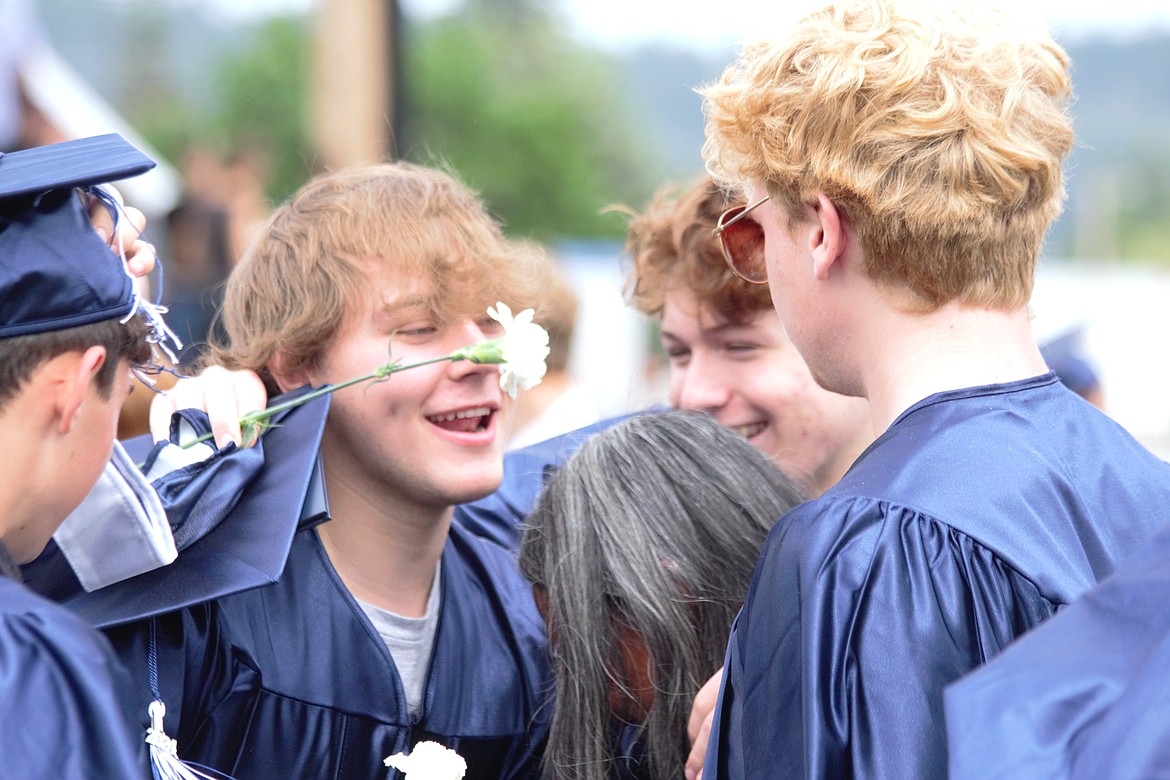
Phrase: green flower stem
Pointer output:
(257, 420)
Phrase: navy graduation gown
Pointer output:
(292, 680)
(973, 518)
(63, 709)
(1085, 696)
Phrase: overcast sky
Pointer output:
(707, 24)
(710, 25)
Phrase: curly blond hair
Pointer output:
(939, 131)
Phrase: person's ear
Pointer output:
(288, 379)
(826, 238)
(74, 386)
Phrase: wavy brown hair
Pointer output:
(672, 246)
(341, 236)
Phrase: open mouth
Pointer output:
(748, 431)
(465, 421)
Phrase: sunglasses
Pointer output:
(742, 242)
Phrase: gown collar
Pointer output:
(1002, 388)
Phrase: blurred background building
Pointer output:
(553, 111)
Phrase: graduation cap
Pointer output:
(55, 271)
(264, 495)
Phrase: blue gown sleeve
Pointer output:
(62, 708)
(1084, 696)
(859, 614)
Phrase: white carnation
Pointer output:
(524, 347)
(429, 761)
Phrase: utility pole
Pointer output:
(354, 81)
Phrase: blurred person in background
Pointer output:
(560, 403)
(1066, 358)
(22, 123)
(222, 206)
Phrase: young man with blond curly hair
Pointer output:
(901, 164)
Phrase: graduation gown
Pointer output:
(292, 680)
(1085, 696)
(973, 518)
(267, 665)
(63, 712)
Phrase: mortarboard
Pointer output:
(55, 271)
(265, 495)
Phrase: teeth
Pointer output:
(482, 411)
(748, 431)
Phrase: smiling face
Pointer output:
(428, 437)
(750, 378)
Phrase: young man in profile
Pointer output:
(69, 336)
(901, 165)
(729, 355)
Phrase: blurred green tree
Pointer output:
(526, 116)
(523, 114)
(264, 95)
(257, 104)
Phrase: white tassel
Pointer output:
(164, 751)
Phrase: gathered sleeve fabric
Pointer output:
(860, 612)
(62, 705)
(975, 516)
(1085, 696)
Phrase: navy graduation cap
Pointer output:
(55, 272)
(234, 517)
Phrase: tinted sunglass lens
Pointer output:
(743, 246)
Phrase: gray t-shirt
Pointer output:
(410, 642)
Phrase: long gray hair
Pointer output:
(655, 525)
